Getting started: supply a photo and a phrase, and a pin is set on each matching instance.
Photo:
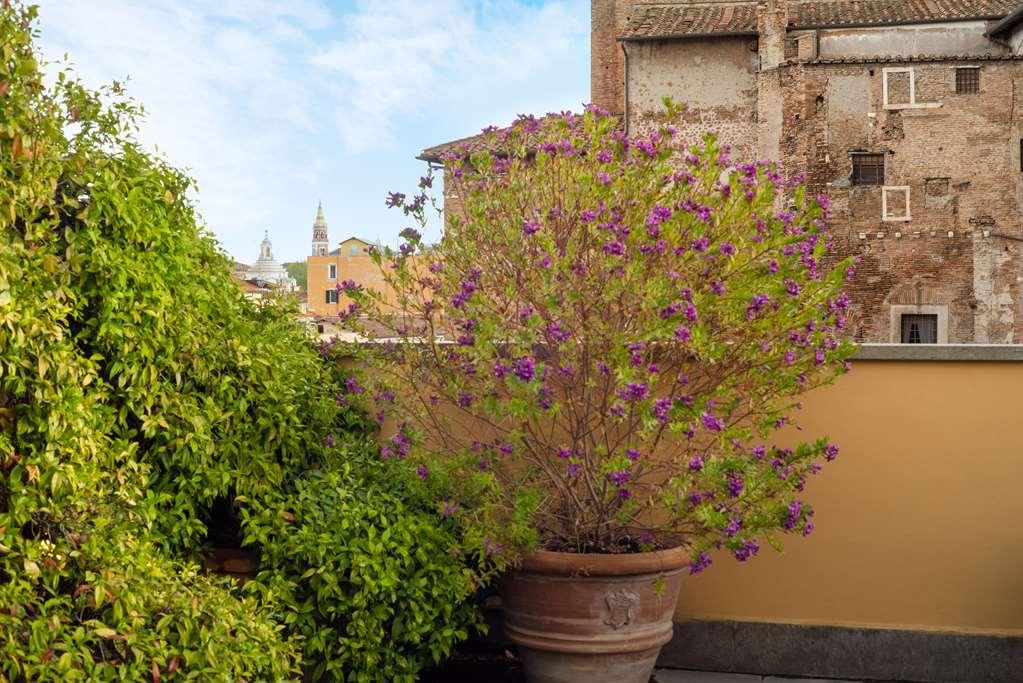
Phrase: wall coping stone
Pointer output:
(940, 352)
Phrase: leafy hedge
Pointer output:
(364, 572)
(140, 395)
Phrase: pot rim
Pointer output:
(604, 564)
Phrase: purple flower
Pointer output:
(557, 333)
(735, 485)
(423, 471)
(733, 528)
(525, 368)
(619, 477)
(661, 408)
(726, 248)
(683, 334)
(449, 508)
(328, 441)
(792, 515)
(394, 199)
(632, 454)
(756, 305)
(792, 287)
(604, 156)
(658, 215)
(464, 399)
(718, 287)
(700, 244)
(703, 212)
(573, 469)
(830, 452)
(712, 422)
(614, 248)
(603, 178)
(353, 386)
(634, 391)
(696, 463)
(701, 562)
(808, 529)
(759, 452)
(544, 398)
(500, 370)
(623, 494)
(530, 228)
(747, 550)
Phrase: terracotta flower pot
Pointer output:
(582, 618)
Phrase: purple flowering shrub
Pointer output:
(597, 354)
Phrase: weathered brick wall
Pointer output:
(960, 161)
(715, 79)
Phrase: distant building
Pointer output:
(325, 269)
(268, 271)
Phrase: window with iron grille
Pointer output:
(868, 169)
(968, 81)
(920, 329)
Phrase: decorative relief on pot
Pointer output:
(619, 605)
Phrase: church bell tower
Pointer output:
(320, 243)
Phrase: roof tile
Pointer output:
(690, 19)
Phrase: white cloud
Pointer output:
(217, 87)
(273, 105)
(404, 57)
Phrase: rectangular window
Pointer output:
(333, 271)
(919, 329)
(868, 169)
(331, 296)
(355, 250)
(968, 80)
(895, 204)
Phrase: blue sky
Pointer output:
(275, 105)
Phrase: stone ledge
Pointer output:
(940, 352)
(863, 654)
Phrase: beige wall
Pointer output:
(919, 521)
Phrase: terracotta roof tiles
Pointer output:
(693, 19)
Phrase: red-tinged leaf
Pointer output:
(4, 87)
(173, 666)
(46, 657)
(81, 589)
(156, 672)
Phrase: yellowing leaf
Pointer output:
(104, 632)
(31, 568)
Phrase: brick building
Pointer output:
(907, 113)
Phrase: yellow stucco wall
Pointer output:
(919, 521)
(318, 281)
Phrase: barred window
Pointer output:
(868, 169)
(919, 329)
(968, 80)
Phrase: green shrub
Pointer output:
(361, 568)
(141, 394)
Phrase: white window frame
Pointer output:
(332, 271)
(913, 104)
(885, 189)
(898, 310)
